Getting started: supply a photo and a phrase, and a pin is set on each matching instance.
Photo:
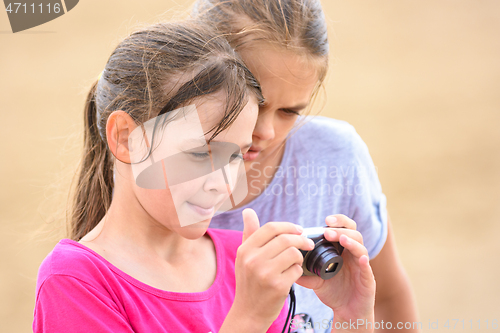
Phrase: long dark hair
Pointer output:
(152, 71)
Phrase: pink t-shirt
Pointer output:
(80, 291)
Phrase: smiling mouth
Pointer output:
(201, 210)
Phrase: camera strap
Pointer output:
(291, 311)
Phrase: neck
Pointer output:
(127, 227)
(146, 249)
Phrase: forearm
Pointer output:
(398, 310)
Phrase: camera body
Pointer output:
(325, 259)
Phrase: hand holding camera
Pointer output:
(324, 260)
(268, 262)
(272, 257)
(351, 294)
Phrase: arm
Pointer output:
(394, 301)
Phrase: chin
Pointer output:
(195, 230)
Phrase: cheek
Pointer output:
(184, 191)
(157, 203)
(283, 125)
(153, 197)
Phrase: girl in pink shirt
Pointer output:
(166, 125)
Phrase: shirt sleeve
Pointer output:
(67, 304)
(368, 204)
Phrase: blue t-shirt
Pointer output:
(326, 169)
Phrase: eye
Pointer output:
(289, 112)
(199, 156)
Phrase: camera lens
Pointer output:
(332, 267)
(324, 261)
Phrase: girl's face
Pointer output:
(287, 80)
(188, 180)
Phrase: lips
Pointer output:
(202, 210)
(252, 153)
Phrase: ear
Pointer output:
(118, 128)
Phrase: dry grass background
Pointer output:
(419, 80)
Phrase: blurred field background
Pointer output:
(420, 81)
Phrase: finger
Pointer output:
(340, 221)
(367, 278)
(250, 223)
(355, 248)
(284, 241)
(333, 234)
(272, 229)
(286, 259)
(310, 282)
(292, 274)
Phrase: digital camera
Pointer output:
(325, 259)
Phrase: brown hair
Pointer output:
(298, 25)
(145, 76)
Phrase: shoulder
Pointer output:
(75, 293)
(317, 132)
(334, 141)
(72, 260)
(324, 124)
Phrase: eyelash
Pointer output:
(205, 155)
(290, 112)
(200, 155)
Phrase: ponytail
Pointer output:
(95, 178)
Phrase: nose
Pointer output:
(216, 182)
(264, 129)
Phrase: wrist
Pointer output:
(239, 320)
